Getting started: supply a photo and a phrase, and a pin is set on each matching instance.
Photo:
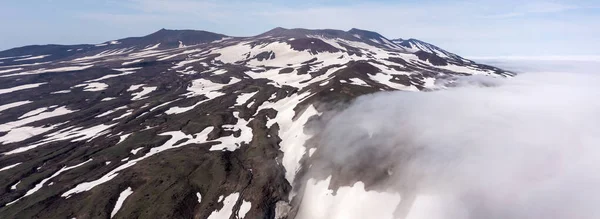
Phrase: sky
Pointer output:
(481, 28)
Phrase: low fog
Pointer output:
(574, 64)
(524, 147)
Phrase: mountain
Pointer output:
(415, 45)
(163, 39)
(189, 124)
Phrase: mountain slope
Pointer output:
(417, 45)
(163, 39)
(210, 127)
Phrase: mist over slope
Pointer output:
(540, 64)
(523, 147)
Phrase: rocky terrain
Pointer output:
(191, 124)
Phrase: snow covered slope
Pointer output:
(187, 124)
(415, 45)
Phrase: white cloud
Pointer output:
(575, 64)
(540, 58)
(532, 8)
(123, 18)
(525, 147)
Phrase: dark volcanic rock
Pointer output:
(313, 45)
(173, 38)
(432, 58)
(188, 124)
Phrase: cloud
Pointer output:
(525, 147)
(548, 7)
(536, 8)
(123, 18)
(541, 58)
(574, 64)
(176, 6)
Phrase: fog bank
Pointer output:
(576, 64)
(525, 147)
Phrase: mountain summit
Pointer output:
(190, 124)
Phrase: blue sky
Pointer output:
(470, 28)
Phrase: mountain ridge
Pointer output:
(165, 38)
(219, 127)
(173, 33)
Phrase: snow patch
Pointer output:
(111, 111)
(10, 70)
(21, 87)
(108, 99)
(31, 58)
(22, 133)
(231, 143)
(163, 104)
(13, 105)
(203, 87)
(243, 98)
(200, 87)
(227, 210)
(135, 87)
(14, 187)
(124, 71)
(124, 194)
(33, 112)
(244, 209)
(358, 81)
(61, 92)
(9, 167)
(140, 95)
(43, 70)
(384, 78)
(41, 184)
(18, 133)
(129, 112)
(123, 137)
(79, 133)
(132, 62)
(151, 47)
(14, 57)
(92, 87)
(292, 132)
(134, 151)
(170, 144)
